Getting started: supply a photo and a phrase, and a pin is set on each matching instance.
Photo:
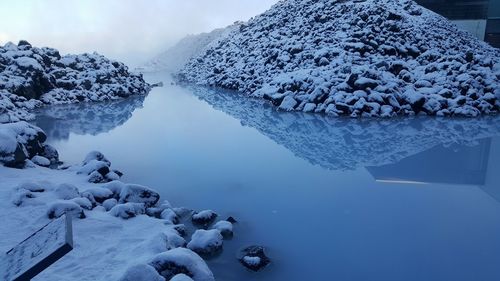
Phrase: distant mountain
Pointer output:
(354, 58)
(190, 46)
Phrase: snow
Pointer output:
(181, 257)
(66, 191)
(31, 77)
(206, 241)
(224, 227)
(251, 261)
(141, 272)
(319, 56)
(204, 217)
(41, 161)
(181, 277)
(173, 59)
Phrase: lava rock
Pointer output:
(254, 258)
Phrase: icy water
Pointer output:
(331, 199)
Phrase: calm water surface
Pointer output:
(331, 199)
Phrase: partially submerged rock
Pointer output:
(225, 228)
(204, 218)
(253, 258)
(206, 242)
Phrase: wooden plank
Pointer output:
(39, 250)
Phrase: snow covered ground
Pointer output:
(118, 232)
(354, 58)
(173, 59)
(31, 77)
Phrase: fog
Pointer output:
(131, 31)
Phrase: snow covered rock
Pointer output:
(170, 216)
(19, 142)
(100, 194)
(109, 204)
(141, 272)
(128, 210)
(97, 156)
(225, 228)
(182, 261)
(254, 258)
(41, 161)
(354, 58)
(204, 218)
(181, 277)
(170, 240)
(66, 191)
(21, 196)
(30, 77)
(139, 194)
(61, 207)
(206, 242)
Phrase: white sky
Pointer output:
(128, 30)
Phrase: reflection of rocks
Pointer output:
(86, 118)
(343, 143)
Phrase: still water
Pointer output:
(331, 199)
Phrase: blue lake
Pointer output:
(331, 199)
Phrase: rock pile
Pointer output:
(30, 77)
(354, 58)
(20, 142)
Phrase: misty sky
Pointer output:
(128, 30)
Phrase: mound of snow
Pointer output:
(206, 242)
(178, 55)
(354, 58)
(141, 272)
(21, 141)
(180, 260)
(30, 77)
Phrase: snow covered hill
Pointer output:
(355, 58)
(30, 77)
(178, 55)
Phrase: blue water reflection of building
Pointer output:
(463, 165)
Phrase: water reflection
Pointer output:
(347, 144)
(86, 118)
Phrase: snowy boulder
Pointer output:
(32, 186)
(225, 228)
(109, 204)
(115, 187)
(97, 156)
(83, 202)
(50, 153)
(182, 261)
(19, 142)
(168, 240)
(66, 191)
(100, 194)
(181, 277)
(21, 196)
(141, 272)
(206, 242)
(253, 258)
(204, 218)
(61, 207)
(128, 210)
(139, 194)
(170, 216)
(41, 161)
